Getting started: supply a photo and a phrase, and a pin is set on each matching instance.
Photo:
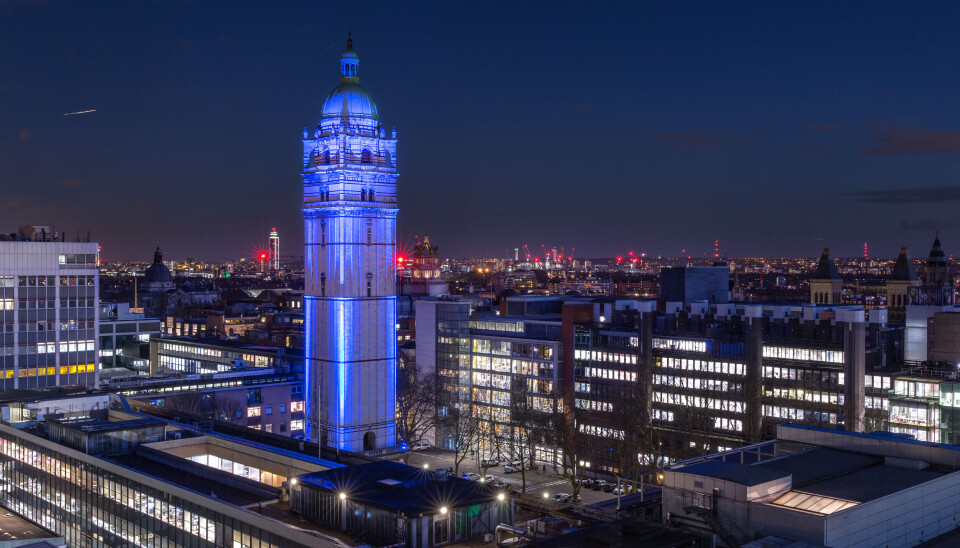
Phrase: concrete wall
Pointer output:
(269, 461)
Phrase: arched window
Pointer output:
(370, 195)
(363, 195)
(387, 159)
(365, 156)
(326, 157)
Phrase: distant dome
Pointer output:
(157, 275)
(350, 99)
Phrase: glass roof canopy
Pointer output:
(809, 502)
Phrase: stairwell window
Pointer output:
(369, 284)
(323, 284)
(369, 231)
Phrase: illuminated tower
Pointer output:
(274, 250)
(350, 217)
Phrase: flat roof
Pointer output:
(14, 527)
(741, 474)
(818, 463)
(413, 490)
(91, 425)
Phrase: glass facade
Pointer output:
(94, 503)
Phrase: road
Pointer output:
(538, 482)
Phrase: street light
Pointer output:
(546, 495)
(426, 465)
(501, 496)
(443, 509)
(293, 481)
(343, 496)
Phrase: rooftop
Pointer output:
(399, 487)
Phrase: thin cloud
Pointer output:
(927, 225)
(16, 202)
(25, 135)
(909, 195)
(914, 141)
(72, 183)
(698, 139)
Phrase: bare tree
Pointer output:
(190, 403)
(525, 426)
(227, 409)
(573, 443)
(460, 427)
(416, 401)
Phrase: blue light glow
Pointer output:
(350, 330)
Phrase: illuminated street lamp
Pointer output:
(343, 496)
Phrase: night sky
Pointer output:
(777, 128)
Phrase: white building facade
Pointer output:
(350, 302)
(49, 298)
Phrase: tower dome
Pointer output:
(350, 99)
(157, 276)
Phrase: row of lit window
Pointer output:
(48, 281)
(815, 396)
(793, 374)
(78, 346)
(695, 383)
(254, 410)
(600, 356)
(803, 354)
(46, 371)
(778, 412)
(726, 368)
(683, 345)
(601, 431)
(699, 402)
(592, 405)
(610, 374)
(158, 508)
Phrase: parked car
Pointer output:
(588, 483)
(575, 500)
(510, 469)
(609, 487)
(489, 462)
(619, 490)
(422, 446)
(599, 485)
(472, 476)
(515, 463)
(561, 498)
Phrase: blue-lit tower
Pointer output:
(350, 220)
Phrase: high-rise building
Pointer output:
(49, 310)
(274, 250)
(350, 302)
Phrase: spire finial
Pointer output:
(349, 38)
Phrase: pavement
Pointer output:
(538, 481)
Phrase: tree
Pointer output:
(573, 443)
(524, 426)
(459, 427)
(189, 403)
(416, 401)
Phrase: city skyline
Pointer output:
(778, 131)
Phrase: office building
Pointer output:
(111, 478)
(350, 301)
(49, 310)
(687, 284)
(692, 378)
(123, 336)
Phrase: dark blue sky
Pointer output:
(777, 128)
